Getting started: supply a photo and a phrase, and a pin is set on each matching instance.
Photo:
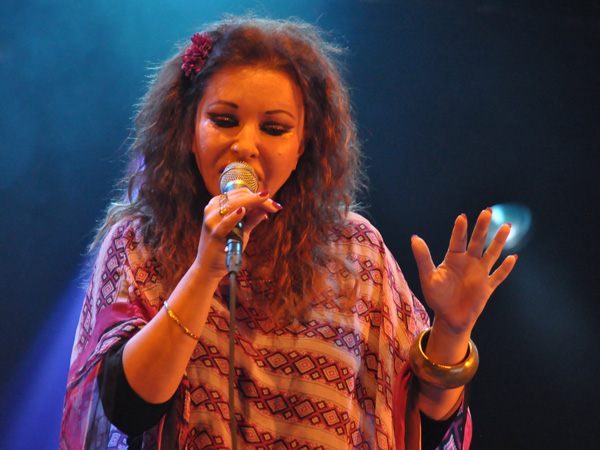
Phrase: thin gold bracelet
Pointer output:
(182, 326)
(441, 375)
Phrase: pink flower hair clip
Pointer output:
(196, 54)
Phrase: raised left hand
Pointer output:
(458, 289)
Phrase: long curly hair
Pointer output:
(164, 188)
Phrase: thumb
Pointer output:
(422, 257)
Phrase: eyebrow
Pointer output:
(223, 102)
(278, 111)
(270, 112)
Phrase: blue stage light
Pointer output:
(521, 219)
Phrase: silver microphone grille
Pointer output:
(237, 175)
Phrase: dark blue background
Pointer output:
(461, 104)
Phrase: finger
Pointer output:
(261, 200)
(229, 221)
(492, 254)
(477, 242)
(253, 218)
(422, 257)
(503, 271)
(458, 239)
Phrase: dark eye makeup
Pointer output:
(230, 121)
(275, 128)
(224, 120)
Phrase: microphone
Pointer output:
(235, 176)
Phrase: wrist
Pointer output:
(441, 374)
(198, 273)
(447, 328)
(446, 345)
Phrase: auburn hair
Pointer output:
(164, 189)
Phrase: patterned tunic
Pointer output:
(324, 383)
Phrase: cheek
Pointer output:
(282, 163)
(206, 154)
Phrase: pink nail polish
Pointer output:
(413, 236)
(509, 224)
(240, 210)
(277, 205)
(264, 193)
(489, 209)
(516, 256)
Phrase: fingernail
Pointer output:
(240, 210)
(463, 215)
(277, 205)
(489, 208)
(509, 224)
(413, 236)
(264, 193)
(516, 256)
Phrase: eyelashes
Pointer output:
(223, 120)
(271, 128)
(275, 129)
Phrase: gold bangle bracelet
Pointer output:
(447, 377)
(176, 320)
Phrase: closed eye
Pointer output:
(224, 120)
(275, 129)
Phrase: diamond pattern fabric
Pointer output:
(324, 383)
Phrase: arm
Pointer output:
(155, 359)
(122, 406)
(457, 290)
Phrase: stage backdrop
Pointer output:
(462, 104)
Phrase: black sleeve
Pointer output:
(123, 407)
(433, 431)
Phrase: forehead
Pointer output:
(254, 85)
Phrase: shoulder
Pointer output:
(355, 219)
(357, 230)
(121, 239)
(128, 228)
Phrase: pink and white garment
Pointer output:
(338, 380)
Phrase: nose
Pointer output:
(246, 143)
